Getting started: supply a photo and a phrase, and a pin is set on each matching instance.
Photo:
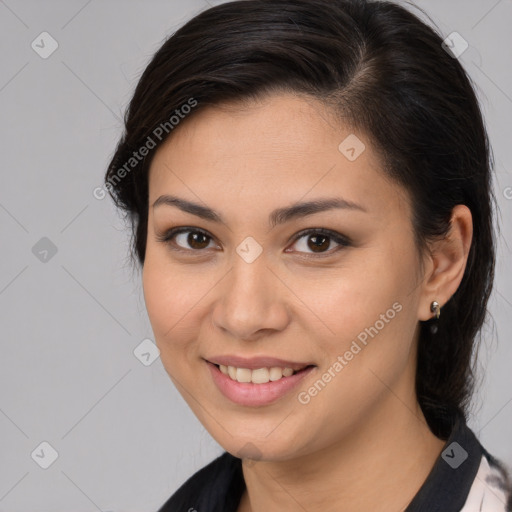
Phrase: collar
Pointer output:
(448, 483)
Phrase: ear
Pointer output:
(447, 262)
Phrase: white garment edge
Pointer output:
(484, 495)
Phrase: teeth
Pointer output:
(275, 373)
(287, 372)
(243, 375)
(232, 372)
(259, 376)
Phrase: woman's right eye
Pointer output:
(185, 239)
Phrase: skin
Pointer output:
(362, 441)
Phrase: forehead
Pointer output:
(281, 148)
(279, 123)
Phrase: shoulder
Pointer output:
(491, 490)
(217, 486)
(465, 478)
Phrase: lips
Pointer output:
(249, 394)
(254, 363)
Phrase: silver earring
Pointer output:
(436, 309)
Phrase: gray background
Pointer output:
(68, 375)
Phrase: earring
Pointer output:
(435, 308)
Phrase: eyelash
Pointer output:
(343, 241)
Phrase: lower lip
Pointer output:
(250, 394)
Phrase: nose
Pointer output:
(252, 301)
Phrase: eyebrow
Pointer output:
(278, 216)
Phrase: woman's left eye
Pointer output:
(317, 240)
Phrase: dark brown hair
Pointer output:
(383, 71)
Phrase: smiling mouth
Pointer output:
(259, 375)
(258, 386)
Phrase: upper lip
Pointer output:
(253, 363)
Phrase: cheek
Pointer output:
(357, 297)
(370, 308)
(173, 298)
(371, 313)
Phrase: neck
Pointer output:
(380, 465)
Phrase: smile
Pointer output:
(258, 376)
(256, 387)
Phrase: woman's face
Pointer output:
(246, 286)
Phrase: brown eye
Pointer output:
(196, 240)
(186, 239)
(319, 241)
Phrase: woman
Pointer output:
(308, 183)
